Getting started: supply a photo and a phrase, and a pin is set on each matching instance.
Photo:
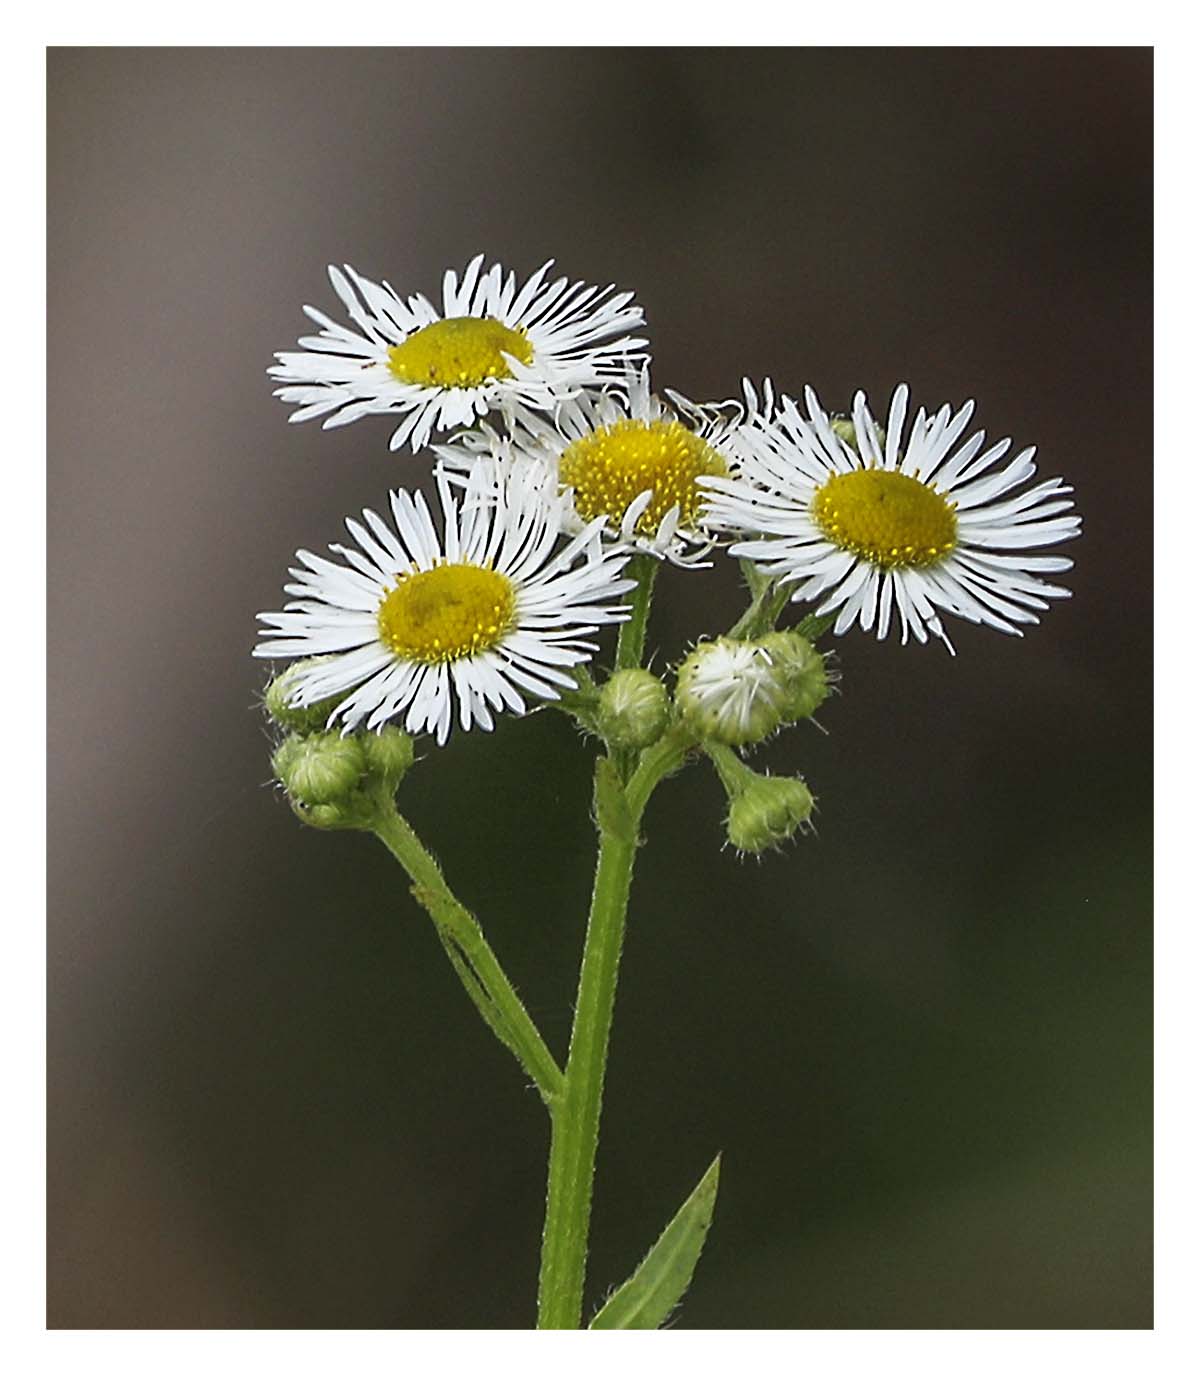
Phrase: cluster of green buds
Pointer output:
(332, 781)
(739, 692)
(731, 694)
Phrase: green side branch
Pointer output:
(472, 958)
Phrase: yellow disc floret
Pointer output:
(886, 518)
(615, 464)
(447, 612)
(463, 351)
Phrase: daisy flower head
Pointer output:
(493, 346)
(626, 456)
(494, 609)
(880, 524)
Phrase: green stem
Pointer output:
(768, 600)
(576, 1116)
(732, 771)
(631, 639)
(657, 761)
(472, 957)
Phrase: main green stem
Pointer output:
(575, 1117)
(472, 957)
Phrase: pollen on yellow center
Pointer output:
(615, 464)
(447, 612)
(887, 518)
(463, 351)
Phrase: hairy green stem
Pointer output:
(767, 600)
(731, 770)
(657, 761)
(631, 640)
(473, 959)
(575, 1117)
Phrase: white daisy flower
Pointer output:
(490, 611)
(626, 456)
(492, 347)
(887, 524)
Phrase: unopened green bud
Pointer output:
(768, 811)
(320, 768)
(633, 708)
(277, 698)
(843, 428)
(800, 672)
(727, 692)
(388, 753)
(356, 812)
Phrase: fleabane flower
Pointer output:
(493, 346)
(625, 455)
(894, 525)
(493, 610)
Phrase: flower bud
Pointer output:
(633, 708)
(843, 428)
(388, 753)
(727, 692)
(320, 768)
(355, 812)
(276, 699)
(800, 672)
(767, 811)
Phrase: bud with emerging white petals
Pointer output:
(727, 692)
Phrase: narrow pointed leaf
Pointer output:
(656, 1287)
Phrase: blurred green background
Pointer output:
(922, 1038)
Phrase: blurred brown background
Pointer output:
(922, 1038)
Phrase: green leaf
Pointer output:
(656, 1287)
(613, 814)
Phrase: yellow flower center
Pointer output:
(462, 351)
(886, 517)
(447, 612)
(613, 465)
